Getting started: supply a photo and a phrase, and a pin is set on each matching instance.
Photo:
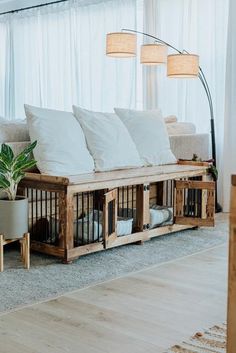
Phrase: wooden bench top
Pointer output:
(122, 177)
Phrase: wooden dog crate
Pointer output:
(73, 216)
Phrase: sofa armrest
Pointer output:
(17, 147)
(181, 129)
(14, 132)
(184, 146)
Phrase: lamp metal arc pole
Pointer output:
(205, 85)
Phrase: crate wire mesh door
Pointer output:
(195, 202)
(43, 215)
(110, 217)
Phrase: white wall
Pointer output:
(8, 5)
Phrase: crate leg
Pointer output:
(66, 211)
(1, 253)
(67, 262)
(21, 250)
(140, 242)
(26, 250)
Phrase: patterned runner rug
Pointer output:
(210, 341)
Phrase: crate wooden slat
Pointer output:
(129, 239)
(112, 179)
(110, 197)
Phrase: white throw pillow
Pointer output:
(61, 148)
(108, 140)
(149, 133)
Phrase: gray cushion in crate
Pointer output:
(92, 230)
(159, 215)
(124, 224)
(91, 226)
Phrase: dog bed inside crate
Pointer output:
(89, 228)
(159, 215)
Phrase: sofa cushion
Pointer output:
(18, 147)
(61, 147)
(181, 128)
(108, 140)
(185, 146)
(15, 131)
(148, 130)
(170, 119)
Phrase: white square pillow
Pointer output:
(149, 133)
(61, 148)
(108, 140)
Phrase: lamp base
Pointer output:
(218, 208)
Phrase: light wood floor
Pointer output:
(143, 312)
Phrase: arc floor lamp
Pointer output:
(181, 65)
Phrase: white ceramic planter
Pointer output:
(14, 218)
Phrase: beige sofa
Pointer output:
(183, 138)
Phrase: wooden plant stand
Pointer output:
(25, 250)
(66, 214)
(231, 327)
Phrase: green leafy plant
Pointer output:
(213, 171)
(12, 168)
(196, 158)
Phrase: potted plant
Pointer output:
(13, 208)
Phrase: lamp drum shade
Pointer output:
(153, 54)
(183, 65)
(121, 44)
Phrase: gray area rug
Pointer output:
(48, 277)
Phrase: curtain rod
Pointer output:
(32, 7)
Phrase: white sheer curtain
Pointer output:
(199, 26)
(56, 57)
(6, 72)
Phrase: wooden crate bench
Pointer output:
(61, 208)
